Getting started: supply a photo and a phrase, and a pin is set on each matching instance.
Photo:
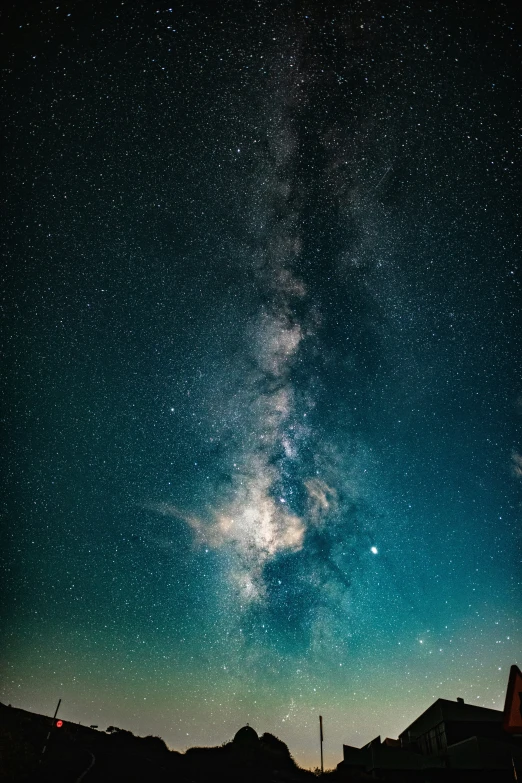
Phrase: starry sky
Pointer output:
(262, 352)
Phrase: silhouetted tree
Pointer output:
(154, 744)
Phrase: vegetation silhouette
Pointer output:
(117, 754)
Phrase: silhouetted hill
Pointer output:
(117, 754)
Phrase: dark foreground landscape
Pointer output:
(75, 753)
(79, 753)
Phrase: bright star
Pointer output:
(374, 550)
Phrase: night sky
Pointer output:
(261, 365)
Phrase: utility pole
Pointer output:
(52, 724)
(321, 738)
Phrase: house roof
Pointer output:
(444, 710)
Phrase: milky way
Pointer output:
(274, 507)
(262, 336)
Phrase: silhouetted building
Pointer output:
(246, 737)
(450, 741)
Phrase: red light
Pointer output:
(59, 724)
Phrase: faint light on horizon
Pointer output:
(374, 550)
